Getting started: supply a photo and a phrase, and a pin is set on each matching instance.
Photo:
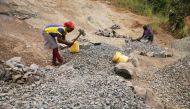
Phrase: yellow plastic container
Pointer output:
(123, 59)
(120, 58)
(116, 57)
(75, 47)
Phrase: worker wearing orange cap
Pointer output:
(53, 31)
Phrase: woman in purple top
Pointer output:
(147, 34)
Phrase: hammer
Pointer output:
(81, 32)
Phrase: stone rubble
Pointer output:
(14, 71)
(115, 26)
(87, 81)
(110, 32)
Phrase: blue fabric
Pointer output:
(53, 25)
(61, 30)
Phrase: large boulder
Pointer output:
(125, 70)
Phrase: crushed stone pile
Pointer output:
(85, 82)
(145, 48)
(173, 84)
(92, 58)
(182, 44)
(69, 90)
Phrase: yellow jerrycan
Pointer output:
(123, 59)
(75, 47)
(119, 58)
(116, 57)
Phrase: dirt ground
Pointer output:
(23, 37)
(26, 37)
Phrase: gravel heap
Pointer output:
(144, 48)
(182, 44)
(71, 91)
(172, 84)
(91, 58)
(85, 82)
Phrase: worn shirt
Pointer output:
(59, 30)
(147, 32)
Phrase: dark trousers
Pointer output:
(56, 56)
(149, 38)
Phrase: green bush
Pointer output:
(173, 10)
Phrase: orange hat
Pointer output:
(69, 24)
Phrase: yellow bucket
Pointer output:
(123, 59)
(119, 58)
(75, 47)
(116, 57)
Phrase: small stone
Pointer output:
(162, 54)
(168, 54)
(11, 62)
(15, 77)
(34, 67)
(150, 54)
(20, 82)
(115, 26)
(19, 65)
(32, 79)
(28, 74)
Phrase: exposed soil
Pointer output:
(23, 37)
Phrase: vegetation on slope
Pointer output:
(167, 12)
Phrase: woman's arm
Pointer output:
(62, 40)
